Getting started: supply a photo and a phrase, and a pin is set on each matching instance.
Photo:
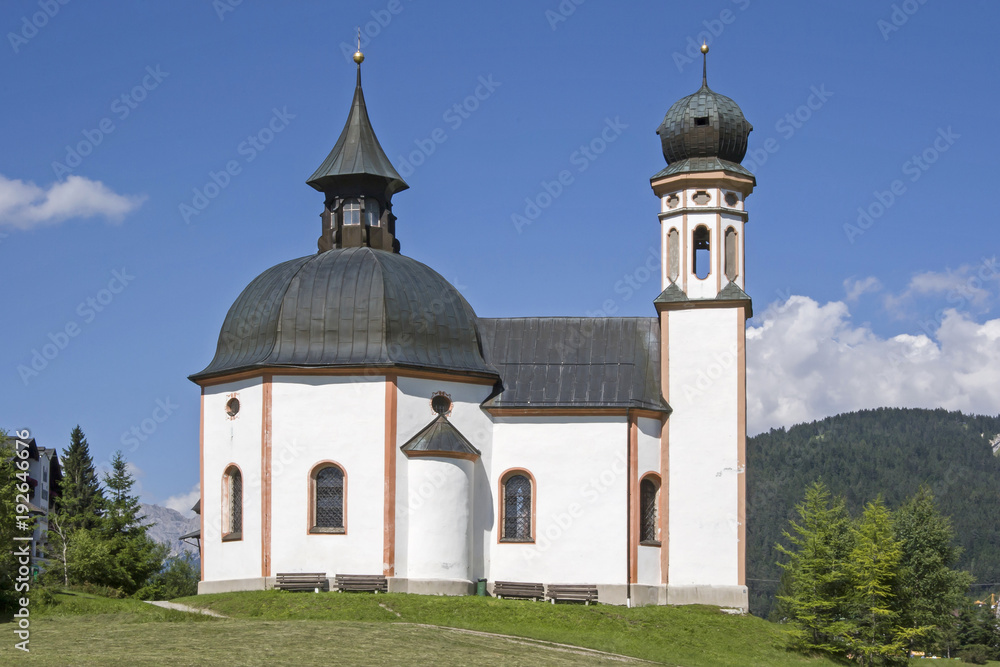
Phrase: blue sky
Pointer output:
(116, 116)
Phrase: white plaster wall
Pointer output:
(438, 521)
(228, 441)
(413, 414)
(317, 419)
(648, 570)
(703, 446)
(649, 565)
(580, 469)
(649, 445)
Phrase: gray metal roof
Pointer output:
(575, 362)
(704, 124)
(357, 152)
(29, 444)
(440, 437)
(702, 164)
(354, 307)
(731, 292)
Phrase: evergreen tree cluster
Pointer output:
(98, 537)
(875, 587)
(889, 452)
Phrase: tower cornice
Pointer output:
(710, 179)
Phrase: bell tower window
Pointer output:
(352, 212)
(701, 252)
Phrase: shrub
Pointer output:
(976, 654)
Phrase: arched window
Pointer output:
(649, 492)
(232, 504)
(701, 258)
(327, 499)
(732, 263)
(352, 212)
(517, 509)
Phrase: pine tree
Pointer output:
(927, 588)
(815, 588)
(876, 638)
(80, 500)
(132, 555)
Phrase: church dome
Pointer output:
(704, 125)
(352, 308)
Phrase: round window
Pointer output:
(233, 407)
(441, 404)
(732, 199)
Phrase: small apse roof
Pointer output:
(440, 438)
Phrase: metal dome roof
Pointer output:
(355, 307)
(704, 125)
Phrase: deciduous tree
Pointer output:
(816, 587)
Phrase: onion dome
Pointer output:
(704, 131)
(350, 308)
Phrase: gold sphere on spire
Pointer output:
(359, 57)
(704, 47)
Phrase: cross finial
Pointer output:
(358, 56)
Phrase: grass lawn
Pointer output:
(278, 628)
(689, 636)
(89, 630)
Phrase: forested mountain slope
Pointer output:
(888, 451)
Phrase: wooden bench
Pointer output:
(369, 583)
(301, 581)
(518, 590)
(572, 592)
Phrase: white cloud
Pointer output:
(855, 288)
(806, 361)
(964, 287)
(185, 501)
(24, 205)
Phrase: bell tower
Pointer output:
(359, 181)
(703, 310)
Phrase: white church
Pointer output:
(359, 418)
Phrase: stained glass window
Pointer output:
(517, 508)
(647, 511)
(329, 498)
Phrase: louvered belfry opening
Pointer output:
(330, 498)
(517, 508)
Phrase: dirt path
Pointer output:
(184, 607)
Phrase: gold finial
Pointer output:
(704, 63)
(358, 56)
